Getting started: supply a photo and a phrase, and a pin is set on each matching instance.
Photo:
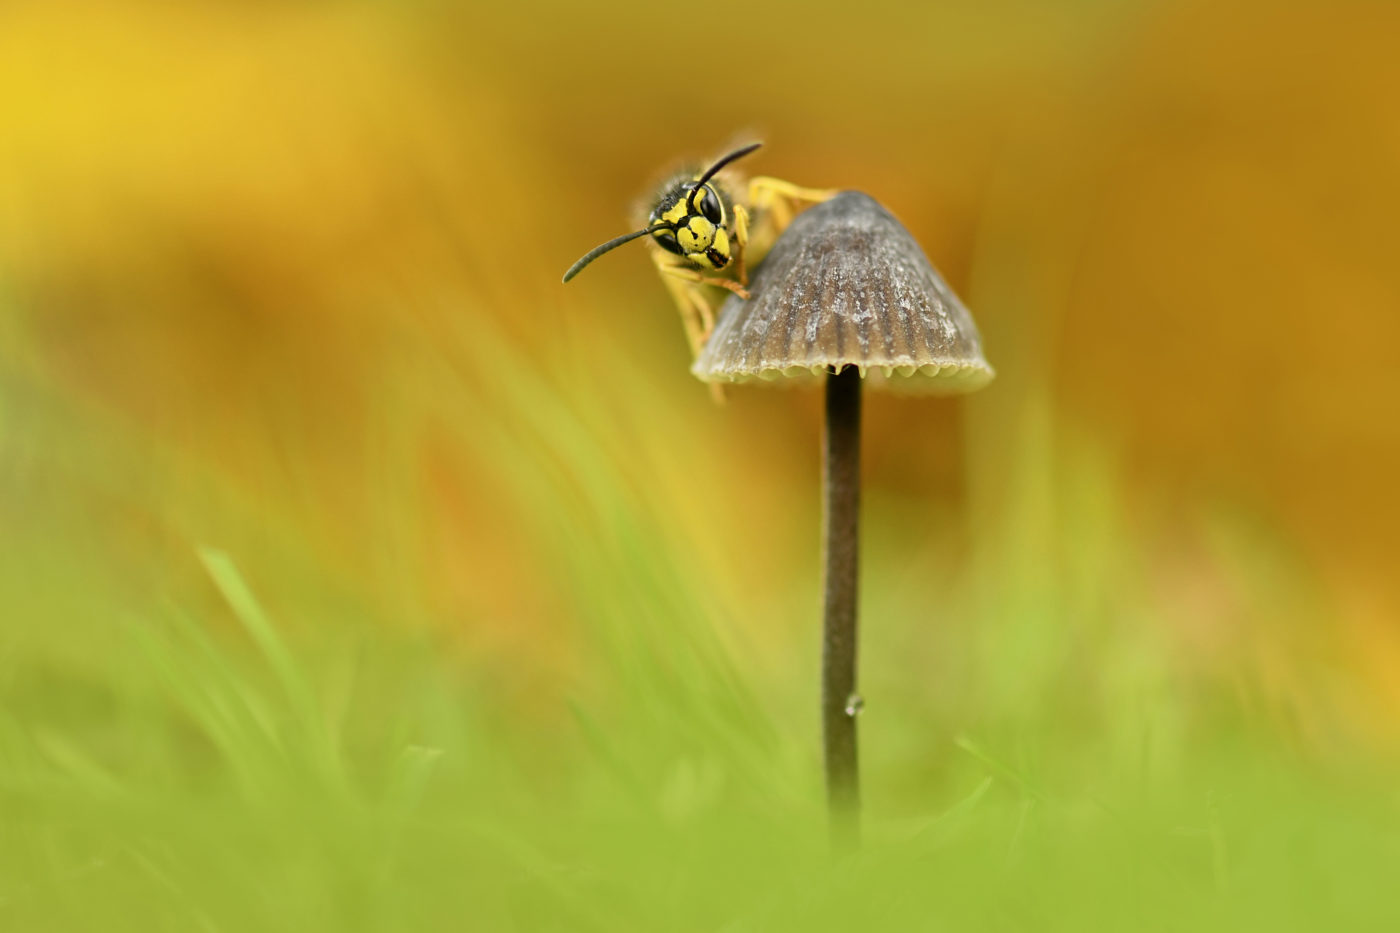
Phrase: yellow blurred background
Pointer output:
(237, 240)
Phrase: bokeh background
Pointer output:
(295, 410)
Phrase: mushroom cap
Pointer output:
(847, 285)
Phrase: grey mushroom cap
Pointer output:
(847, 285)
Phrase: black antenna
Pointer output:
(612, 244)
(736, 154)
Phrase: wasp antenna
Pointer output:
(612, 244)
(710, 172)
(736, 154)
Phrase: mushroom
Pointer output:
(845, 294)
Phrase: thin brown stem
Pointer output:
(840, 703)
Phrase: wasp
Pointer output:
(703, 238)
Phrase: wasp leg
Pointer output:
(683, 281)
(696, 315)
(775, 202)
(765, 191)
(690, 274)
(741, 240)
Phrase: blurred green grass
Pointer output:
(209, 730)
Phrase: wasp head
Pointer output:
(690, 221)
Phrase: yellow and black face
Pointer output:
(690, 221)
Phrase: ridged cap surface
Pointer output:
(844, 285)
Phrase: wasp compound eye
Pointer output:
(709, 206)
(667, 241)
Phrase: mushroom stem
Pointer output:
(841, 488)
